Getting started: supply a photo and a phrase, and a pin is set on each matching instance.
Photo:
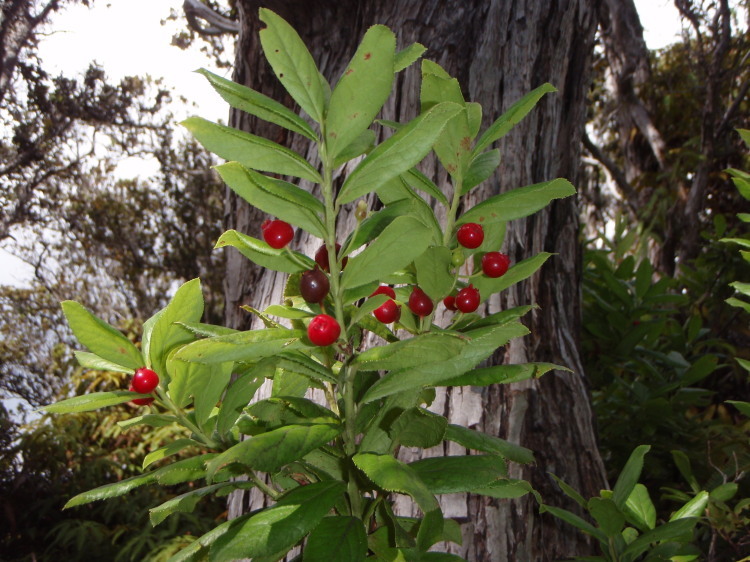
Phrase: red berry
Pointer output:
(140, 401)
(145, 381)
(321, 258)
(388, 312)
(495, 264)
(470, 235)
(276, 233)
(384, 290)
(450, 302)
(467, 300)
(314, 285)
(323, 330)
(419, 303)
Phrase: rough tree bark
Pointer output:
(499, 51)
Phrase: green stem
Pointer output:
(350, 437)
(186, 422)
(262, 486)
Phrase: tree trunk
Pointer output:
(499, 51)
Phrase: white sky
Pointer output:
(126, 38)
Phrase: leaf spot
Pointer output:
(466, 143)
(281, 75)
(451, 168)
(367, 56)
(348, 72)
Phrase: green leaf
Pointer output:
(252, 102)
(481, 167)
(101, 338)
(237, 397)
(277, 528)
(412, 352)
(518, 203)
(92, 361)
(381, 257)
(205, 382)
(373, 226)
(692, 509)
(293, 65)
(397, 154)
(502, 374)
(275, 197)
(283, 311)
(682, 461)
(152, 420)
(577, 522)
(417, 427)
(479, 441)
(242, 346)
(417, 180)
(337, 539)
(724, 492)
(745, 134)
(505, 488)
(92, 401)
(433, 272)
(629, 476)
(673, 530)
(510, 118)
(175, 473)
(448, 475)
(639, 509)
(262, 254)
(570, 491)
(250, 150)
(362, 90)
(185, 503)
(296, 362)
(743, 407)
(478, 348)
(406, 57)
(522, 270)
(164, 334)
(272, 450)
(172, 448)
(363, 143)
(607, 515)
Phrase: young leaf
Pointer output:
(394, 476)
(399, 153)
(101, 338)
(237, 397)
(518, 203)
(693, 508)
(417, 180)
(205, 382)
(576, 521)
(152, 420)
(362, 90)
(250, 150)
(481, 167)
(172, 448)
(373, 226)
(242, 346)
(488, 444)
(185, 503)
(296, 362)
(277, 528)
(363, 143)
(418, 427)
(381, 258)
(261, 253)
(412, 352)
(607, 515)
(165, 334)
(93, 361)
(293, 65)
(506, 488)
(338, 538)
(502, 374)
(91, 401)
(449, 475)
(272, 450)
(433, 272)
(629, 476)
(639, 509)
(275, 197)
(255, 103)
(522, 270)
(510, 118)
(407, 56)
(672, 530)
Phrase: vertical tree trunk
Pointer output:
(498, 50)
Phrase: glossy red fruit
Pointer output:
(495, 264)
(450, 302)
(323, 330)
(314, 285)
(389, 311)
(470, 235)
(140, 401)
(419, 303)
(145, 381)
(467, 299)
(321, 258)
(276, 233)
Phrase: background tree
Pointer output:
(498, 52)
